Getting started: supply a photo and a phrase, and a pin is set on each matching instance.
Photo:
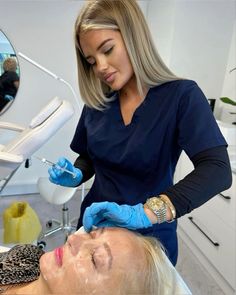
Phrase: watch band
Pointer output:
(158, 207)
(170, 205)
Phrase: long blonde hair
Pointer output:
(126, 17)
(154, 276)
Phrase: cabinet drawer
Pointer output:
(214, 239)
(224, 206)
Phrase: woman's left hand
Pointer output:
(110, 214)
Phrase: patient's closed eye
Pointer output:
(101, 257)
(93, 260)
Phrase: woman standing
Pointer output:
(138, 117)
(9, 81)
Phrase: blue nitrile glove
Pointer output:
(110, 214)
(63, 178)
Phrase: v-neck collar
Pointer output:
(136, 113)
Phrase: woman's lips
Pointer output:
(59, 255)
(110, 77)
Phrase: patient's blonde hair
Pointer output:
(155, 276)
(10, 64)
(126, 17)
(160, 275)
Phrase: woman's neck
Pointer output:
(130, 92)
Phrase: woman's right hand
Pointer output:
(58, 175)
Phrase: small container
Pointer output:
(212, 102)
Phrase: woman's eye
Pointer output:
(109, 50)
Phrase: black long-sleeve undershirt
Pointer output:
(211, 175)
(85, 164)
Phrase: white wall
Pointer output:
(42, 30)
(227, 112)
(194, 38)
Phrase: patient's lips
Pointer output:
(59, 255)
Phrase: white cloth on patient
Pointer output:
(178, 287)
(4, 249)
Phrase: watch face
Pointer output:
(156, 204)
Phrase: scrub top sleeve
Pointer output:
(197, 127)
(79, 141)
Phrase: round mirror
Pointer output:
(9, 74)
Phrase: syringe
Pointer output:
(47, 162)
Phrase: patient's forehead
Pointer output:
(114, 232)
(119, 239)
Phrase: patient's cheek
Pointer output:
(84, 280)
(46, 263)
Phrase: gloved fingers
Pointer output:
(55, 181)
(95, 208)
(78, 173)
(97, 212)
(66, 164)
(90, 219)
(90, 222)
(58, 171)
(107, 224)
(62, 162)
(52, 173)
(118, 213)
(111, 215)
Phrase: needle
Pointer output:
(47, 162)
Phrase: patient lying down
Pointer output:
(104, 261)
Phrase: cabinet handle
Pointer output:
(216, 244)
(225, 197)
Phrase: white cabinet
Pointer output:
(210, 231)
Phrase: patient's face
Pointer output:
(92, 263)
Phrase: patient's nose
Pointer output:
(76, 241)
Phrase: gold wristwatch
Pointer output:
(170, 205)
(158, 207)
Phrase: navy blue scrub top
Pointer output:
(136, 161)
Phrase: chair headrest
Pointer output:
(46, 112)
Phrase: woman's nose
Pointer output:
(76, 241)
(102, 65)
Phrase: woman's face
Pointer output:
(92, 263)
(105, 51)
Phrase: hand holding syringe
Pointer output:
(47, 162)
(63, 172)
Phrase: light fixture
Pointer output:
(36, 64)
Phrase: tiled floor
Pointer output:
(195, 276)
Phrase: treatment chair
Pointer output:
(58, 195)
(29, 139)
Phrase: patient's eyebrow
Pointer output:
(108, 249)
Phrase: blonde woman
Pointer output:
(104, 261)
(9, 81)
(137, 119)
